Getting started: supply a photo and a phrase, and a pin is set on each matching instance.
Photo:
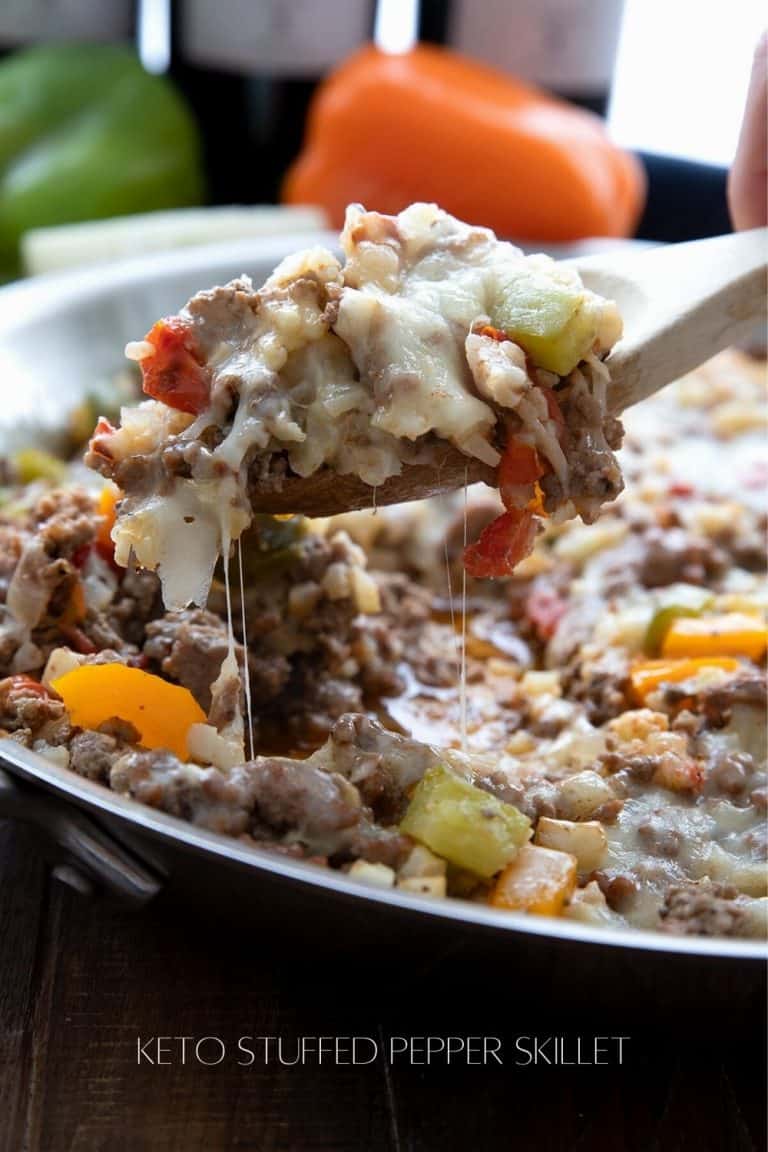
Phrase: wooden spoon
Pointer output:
(325, 493)
(681, 304)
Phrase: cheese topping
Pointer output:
(359, 367)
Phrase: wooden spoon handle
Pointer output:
(325, 493)
(681, 304)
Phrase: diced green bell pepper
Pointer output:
(550, 318)
(464, 824)
(698, 600)
(86, 133)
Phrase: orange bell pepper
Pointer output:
(730, 635)
(648, 675)
(161, 712)
(386, 130)
(76, 608)
(539, 880)
(107, 510)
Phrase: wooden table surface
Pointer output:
(81, 980)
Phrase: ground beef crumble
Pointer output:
(703, 909)
(321, 670)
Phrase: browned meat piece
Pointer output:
(41, 585)
(638, 767)
(269, 676)
(136, 602)
(659, 835)
(703, 909)
(321, 809)
(269, 798)
(92, 754)
(29, 709)
(382, 765)
(718, 702)
(602, 686)
(62, 524)
(315, 701)
(189, 647)
(41, 561)
(674, 556)
(65, 519)
(617, 887)
(11, 544)
(204, 796)
(574, 628)
(730, 774)
(10, 641)
(759, 797)
(757, 841)
(594, 473)
(311, 805)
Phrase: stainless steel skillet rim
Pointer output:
(96, 799)
(22, 307)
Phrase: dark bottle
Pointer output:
(249, 69)
(565, 46)
(27, 22)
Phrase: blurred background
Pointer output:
(108, 110)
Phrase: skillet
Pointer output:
(59, 335)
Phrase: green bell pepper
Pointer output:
(86, 133)
(689, 602)
(465, 825)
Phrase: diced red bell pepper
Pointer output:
(21, 685)
(554, 411)
(99, 442)
(519, 469)
(493, 333)
(175, 374)
(520, 464)
(502, 545)
(545, 609)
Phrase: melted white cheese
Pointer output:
(350, 367)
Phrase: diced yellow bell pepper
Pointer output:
(464, 824)
(648, 675)
(730, 635)
(161, 712)
(539, 880)
(34, 464)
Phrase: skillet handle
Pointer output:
(89, 854)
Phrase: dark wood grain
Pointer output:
(81, 980)
(326, 493)
(23, 913)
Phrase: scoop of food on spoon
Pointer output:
(680, 304)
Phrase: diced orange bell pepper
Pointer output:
(648, 675)
(387, 130)
(161, 712)
(730, 635)
(539, 880)
(107, 510)
(76, 609)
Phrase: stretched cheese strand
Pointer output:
(246, 669)
(463, 676)
(451, 607)
(233, 731)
